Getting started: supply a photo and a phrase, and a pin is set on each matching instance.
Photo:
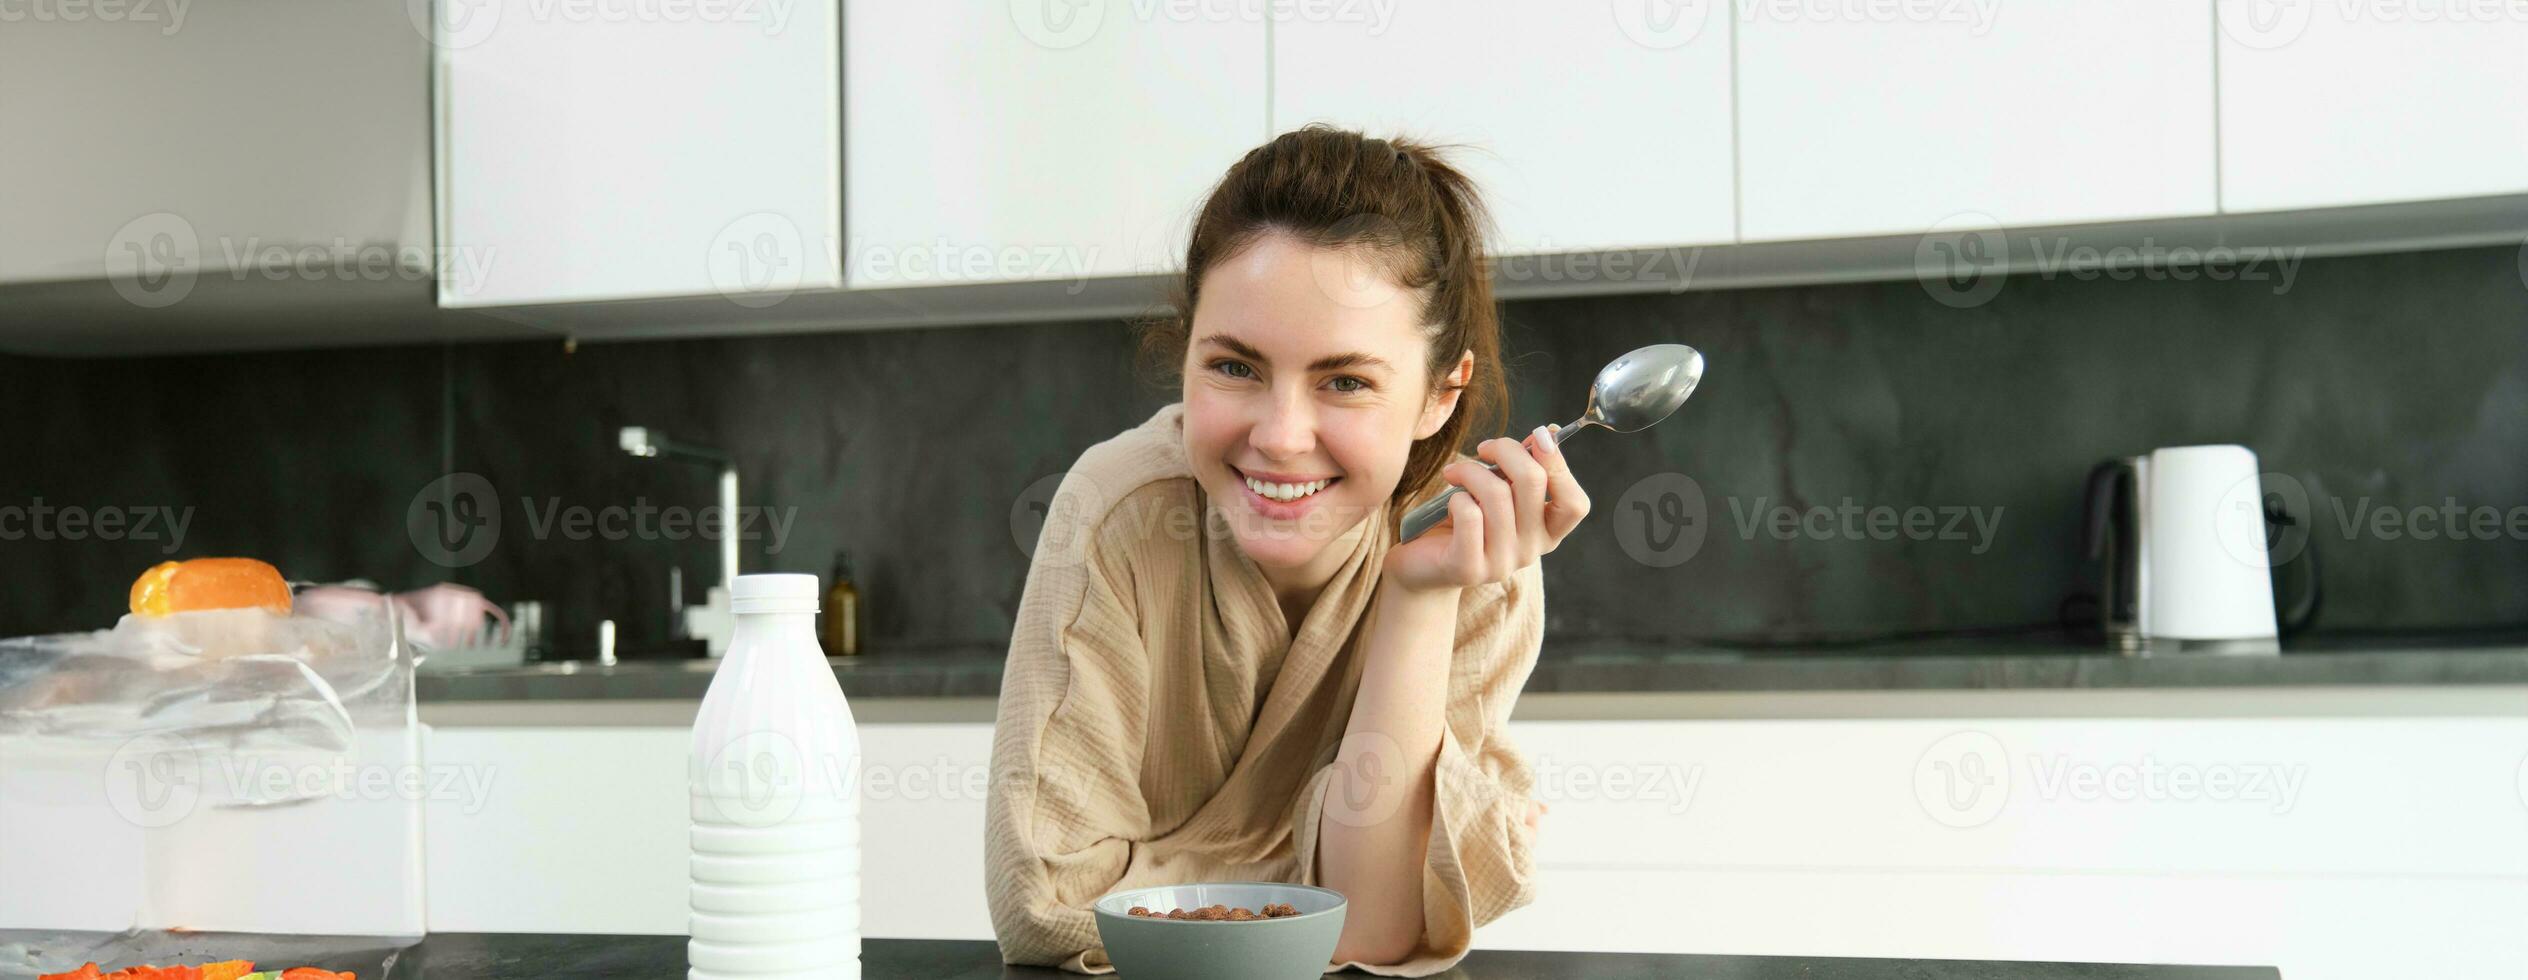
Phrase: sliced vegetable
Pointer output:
(227, 969)
(88, 972)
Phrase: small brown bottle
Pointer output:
(842, 611)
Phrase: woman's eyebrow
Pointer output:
(1330, 362)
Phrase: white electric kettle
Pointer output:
(2180, 534)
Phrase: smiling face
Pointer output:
(1306, 385)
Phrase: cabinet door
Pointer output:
(2327, 104)
(1039, 140)
(1585, 131)
(590, 152)
(1869, 119)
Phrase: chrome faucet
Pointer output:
(648, 443)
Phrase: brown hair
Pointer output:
(1334, 188)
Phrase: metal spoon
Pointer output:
(1631, 393)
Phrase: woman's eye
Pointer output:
(1234, 369)
(1346, 384)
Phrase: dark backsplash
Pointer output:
(2380, 382)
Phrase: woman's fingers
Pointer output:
(1527, 492)
(1566, 503)
(1465, 527)
(1500, 519)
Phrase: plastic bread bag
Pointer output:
(228, 770)
(240, 678)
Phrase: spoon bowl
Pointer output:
(1631, 393)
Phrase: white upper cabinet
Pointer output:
(1585, 131)
(599, 152)
(992, 141)
(2364, 102)
(1874, 119)
(279, 141)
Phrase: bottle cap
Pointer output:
(773, 593)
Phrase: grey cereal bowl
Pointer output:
(1294, 947)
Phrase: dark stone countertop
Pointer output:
(2027, 662)
(481, 956)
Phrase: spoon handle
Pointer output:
(1429, 513)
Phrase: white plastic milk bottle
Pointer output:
(776, 817)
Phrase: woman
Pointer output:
(1224, 667)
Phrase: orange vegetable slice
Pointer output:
(210, 583)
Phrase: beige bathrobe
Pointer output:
(1160, 724)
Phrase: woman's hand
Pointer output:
(1502, 523)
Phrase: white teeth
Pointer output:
(1284, 492)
